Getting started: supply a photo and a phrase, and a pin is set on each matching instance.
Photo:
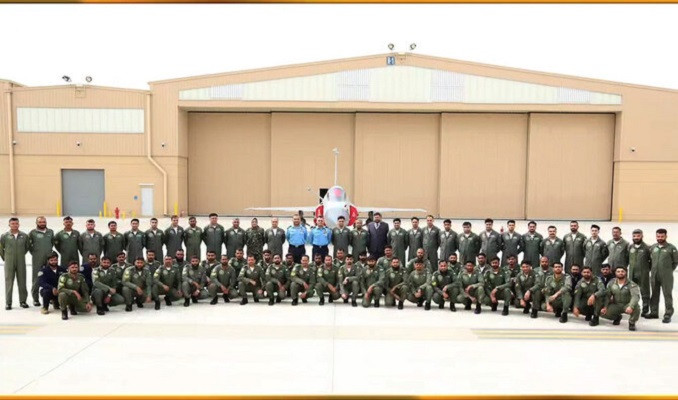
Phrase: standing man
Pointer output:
(73, 292)
(490, 240)
(378, 231)
(135, 241)
(448, 241)
(40, 242)
(13, 248)
(234, 238)
(296, 236)
(114, 242)
(511, 243)
(155, 239)
(213, 235)
(595, 251)
(275, 237)
(360, 239)
(622, 298)
(256, 237)
(664, 261)
(552, 247)
(431, 240)
(320, 238)
(192, 239)
(574, 246)
(618, 249)
(531, 242)
(90, 241)
(341, 236)
(398, 239)
(639, 268)
(469, 245)
(66, 243)
(415, 240)
(174, 237)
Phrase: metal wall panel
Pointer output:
(79, 120)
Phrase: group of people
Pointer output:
(421, 265)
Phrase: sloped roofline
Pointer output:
(415, 56)
(12, 82)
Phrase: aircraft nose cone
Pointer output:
(332, 214)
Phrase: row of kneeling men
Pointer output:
(548, 288)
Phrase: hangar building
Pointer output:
(459, 139)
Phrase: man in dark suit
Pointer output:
(378, 236)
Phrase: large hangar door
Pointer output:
(82, 191)
(482, 165)
(397, 160)
(302, 156)
(570, 166)
(229, 162)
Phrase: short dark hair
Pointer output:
(396, 220)
(174, 216)
(466, 223)
(54, 255)
(495, 258)
(531, 223)
(213, 215)
(191, 218)
(72, 263)
(214, 252)
(154, 219)
(349, 256)
(377, 213)
(604, 265)
(139, 258)
(341, 217)
(68, 218)
(442, 262)
(511, 221)
(14, 219)
(388, 246)
(90, 221)
(112, 223)
(414, 219)
(552, 226)
(267, 251)
(662, 231)
(586, 267)
(490, 220)
(95, 255)
(616, 227)
(525, 262)
(557, 263)
(372, 258)
(134, 220)
(362, 253)
(447, 221)
(153, 251)
(595, 226)
(104, 258)
(575, 265)
(469, 262)
(482, 254)
(306, 256)
(195, 257)
(574, 222)
(122, 253)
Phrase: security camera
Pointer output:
(413, 46)
(78, 144)
(88, 79)
(66, 78)
(163, 144)
(390, 46)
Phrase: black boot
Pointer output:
(140, 303)
(376, 302)
(157, 304)
(667, 319)
(477, 311)
(588, 317)
(226, 298)
(400, 305)
(354, 303)
(73, 311)
(346, 300)
(278, 299)
(505, 310)
(330, 299)
(651, 316)
(595, 320)
(563, 318)
(559, 312)
(428, 306)
(304, 300)
(256, 299)
(442, 304)
(100, 311)
(64, 314)
(526, 309)
(194, 299)
(322, 300)
(168, 302)
(632, 326)
(215, 300)
(243, 301)
(617, 321)
(453, 308)
(467, 305)
(533, 314)
(128, 308)
(493, 307)
(187, 302)
(295, 301)
(646, 311)
(105, 307)
(271, 301)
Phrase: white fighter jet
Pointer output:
(336, 204)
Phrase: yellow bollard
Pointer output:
(176, 208)
(99, 213)
(134, 215)
(106, 210)
(621, 213)
(58, 209)
(122, 215)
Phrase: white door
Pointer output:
(147, 201)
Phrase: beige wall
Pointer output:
(302, 157)
(229, 162)
(646, 191)
(4, 150)
(397, 160)
(570, 166)
(38, 187)
(482, 165)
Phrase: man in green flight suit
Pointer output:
(135, 242)
(595, 251)
(90, 241)
(531, 242)
(234, 238)
(303, 281)
(73, 292)
(574, 247)
(213, 235)
(552, 246)
(174, 237)
(327, 281)
(558, 292)
(349, 281)
(395, 285)
(137, 284)
(664, 258)
(470, 287)
(497, 286)
(398, 238)
(167, 281)
(523, 284)
(194, 280)
(371, 283)
(251, 280)
(431, 241)
(193, 236)
(511, 243)
(588, 296)
(341, 236)
(114, 241)
(256, 238)
(443, 284)
(66, 243)
(536, 291)
(359, 238)
(40, 243)
(639, 268)
(415, 241)
(622, 298)
(13, 248)
(419, 285)
(155, 238)
(222, 281)
(277, 279)
(618, 249)
(469, 244)
(105, 291)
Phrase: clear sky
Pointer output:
(130, 45)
